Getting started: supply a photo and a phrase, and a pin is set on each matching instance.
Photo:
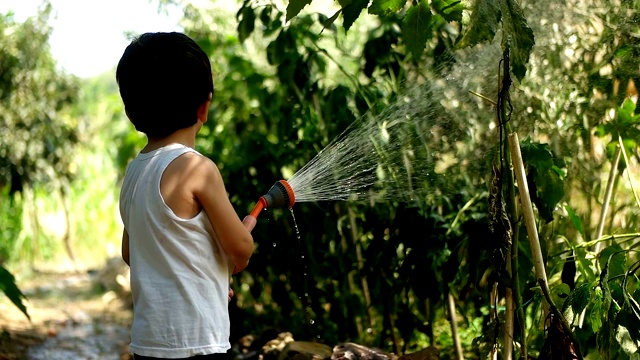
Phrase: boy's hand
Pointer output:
(230, 294)
(249, 222)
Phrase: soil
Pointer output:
(71, 318)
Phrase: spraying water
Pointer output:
(376, 158)
(430, 130)
(399, 154)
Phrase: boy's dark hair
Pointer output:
(163, 79)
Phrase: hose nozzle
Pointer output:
(279, 196)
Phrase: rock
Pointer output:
(273, 348)
(269, 343)
(305, 350)
(352, 351)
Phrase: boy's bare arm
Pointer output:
(210, 191)
(125, 246)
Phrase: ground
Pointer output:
(71, 318)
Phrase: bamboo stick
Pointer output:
(527, 210)
(454, 327)
(532, 232)
(493, 355)
(509, 321)
(607, 198)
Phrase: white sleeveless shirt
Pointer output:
(179, 272)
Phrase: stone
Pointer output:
(352, 351)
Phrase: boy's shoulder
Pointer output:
(192, 162)
(193, 159)
(194, 170)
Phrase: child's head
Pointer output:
(163, 79)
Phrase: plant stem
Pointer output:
(626, 161)
(607, 197)
(493, 355)
(483, 97)
(504, 115)
(454, 326)
(603, 215)
(517, 292)
(532, 232)
(527, 208)
(360, 260)
(351, 282)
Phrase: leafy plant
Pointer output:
(34, 151)
(9, 288)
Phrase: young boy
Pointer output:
(182, 238)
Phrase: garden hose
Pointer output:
(279, 196)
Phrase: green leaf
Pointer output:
(518, 37)
(585, 265)
(328, 22)
(352, 11)
(605, 338)
(614, 258)
(629, 317)
(626, 123)
(596, 312)
(483, 26)
(295, 6)
(450, 10)
(278, 48)
(416, 27)
(265, 15)
(575, 220)
(9, 287)
(624, 336)
(386, 7)
(247, 23)
(579, 298)
(550, 189)
(626, 110)
(545, 182)
(560, 293)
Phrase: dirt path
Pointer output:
(71, 318)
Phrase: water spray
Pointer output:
(279, 196)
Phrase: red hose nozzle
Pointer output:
(279, 196)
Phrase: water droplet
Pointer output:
(274, 244)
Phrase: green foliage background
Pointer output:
(289, 78)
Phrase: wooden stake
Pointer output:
(527, 210)
(607, 198)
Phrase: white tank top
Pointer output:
(179, 272)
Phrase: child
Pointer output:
(182, 238)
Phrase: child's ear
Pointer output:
(203, 110)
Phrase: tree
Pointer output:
(38, 137)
